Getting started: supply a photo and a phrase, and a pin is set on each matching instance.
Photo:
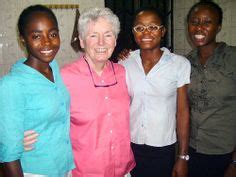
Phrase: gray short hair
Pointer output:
(93, 14)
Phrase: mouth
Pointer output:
(100, 50)
(199, 36)
(146, 39)
(47, 52)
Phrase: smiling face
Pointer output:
(148, 40)
(41, 38)
(203, 26)
(99, 41)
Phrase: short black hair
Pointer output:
(27, 13)
(152, 9)
(210, 4)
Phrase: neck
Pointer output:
(96, 66)
(205, 52)
(39, 66)
(151, 56)
(43, 68)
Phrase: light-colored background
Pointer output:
(9, 13)
(10, 10)
(227, 34)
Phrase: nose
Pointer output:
(146, 30)
(199, 27)
(101, 40)
(46, 40)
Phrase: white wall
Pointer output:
(227, 34)
(9, 13)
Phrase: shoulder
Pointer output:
(134, 55)
(227, 57)
(118, 67)
(10, 83)
(54, 63)
(228, 48)
(192, 56)
(178, 59)
(71, 68)
(229, 52)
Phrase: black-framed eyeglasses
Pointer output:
(150, 28)
(105, 85)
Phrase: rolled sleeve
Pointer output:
(11, 121)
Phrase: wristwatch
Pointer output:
(234, 162)
(184, 157)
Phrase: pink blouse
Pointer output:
(100, 132)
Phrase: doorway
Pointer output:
(125, 10)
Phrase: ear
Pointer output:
(115, 41)
(163, 31)
(22, 40)
(81, 41)
(219, 28)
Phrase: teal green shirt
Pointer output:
(212, 95)
(29, 101)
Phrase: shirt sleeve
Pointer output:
(231, 62)
(184, 70)
(11, 121)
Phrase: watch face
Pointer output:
(184, 157)
(187, 157)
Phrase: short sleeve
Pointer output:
(230, 58)
(11, 120)
(184, 70)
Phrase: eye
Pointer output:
(153, 27)
(108, 35)
(93, 35)
(139, 28)
(194, 22)
(36, 36)
(54, 34)
(207, 22)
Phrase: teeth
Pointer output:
(100, 50)
(46, 51)
(146, 39)
(199, 36)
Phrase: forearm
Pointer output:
(183, 132)
(183, 120)
(13, 169)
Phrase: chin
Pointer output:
(148, 47)
(198, 43)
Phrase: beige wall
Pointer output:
(9, 13)
(227, 34)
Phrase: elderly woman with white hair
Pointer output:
(99, 100)
(100, 132)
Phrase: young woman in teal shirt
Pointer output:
(33, 96)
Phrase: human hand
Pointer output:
(123, 55)
(30, 137)
(230, 171)
(180, 168)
